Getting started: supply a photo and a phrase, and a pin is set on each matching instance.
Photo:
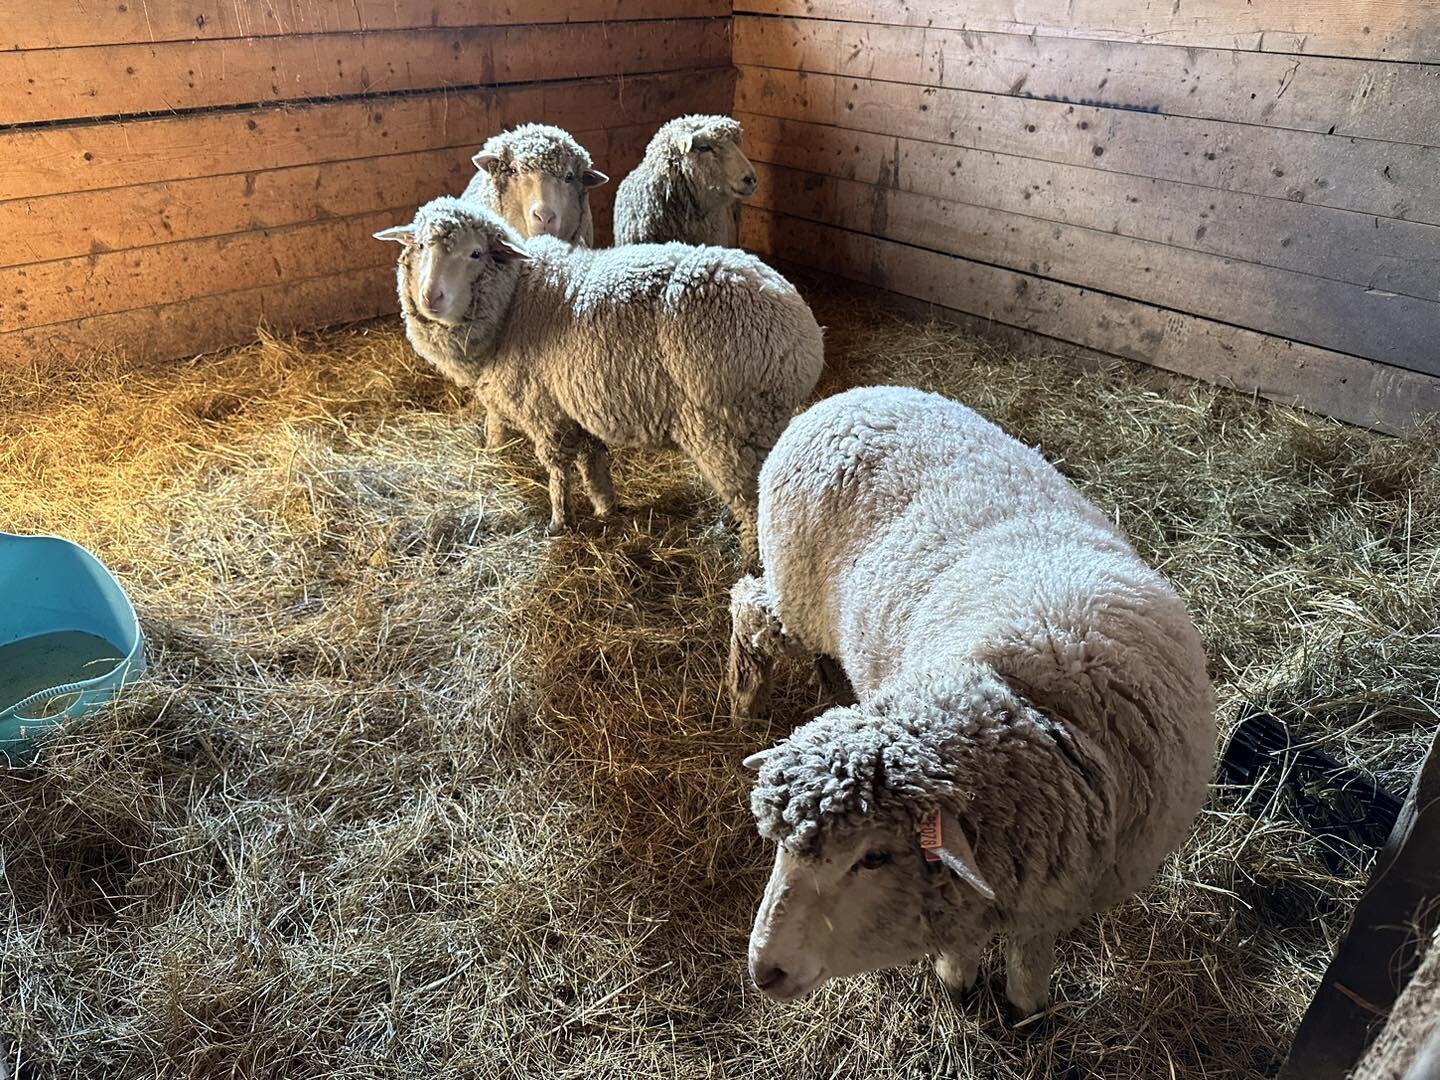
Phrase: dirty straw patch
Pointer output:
(413, 791)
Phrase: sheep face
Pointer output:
(541, 201)
(715, 167)
(855, 904)
(453, 257)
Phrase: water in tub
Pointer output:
(45, 660)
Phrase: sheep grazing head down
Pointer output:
(706, 152)
(456, 255)
(854, 804)
(542, 178)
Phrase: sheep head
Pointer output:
(541, 179)
(705, 150)
(457, 257)
(862, 808)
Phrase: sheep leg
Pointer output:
(1029, 963)
(732, 470)
(557, 464)
(958, 970)
(495, 434)
(755, 637)
(594, 463)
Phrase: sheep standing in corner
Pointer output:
(653, 345)
(1034, 728)
(688, 187)
(539, 179)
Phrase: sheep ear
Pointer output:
(944, 840)
(593, 178)
(485, 161)
(755, 760)
(401, 234)
(502, 251)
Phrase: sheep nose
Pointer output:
(766, 975)
(544, 215)
(749, 180)
(433, 299)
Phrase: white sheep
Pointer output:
(707, 349)
(1032, 701)
(539, 179)
(688, 187)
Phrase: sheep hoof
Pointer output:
(556, 528)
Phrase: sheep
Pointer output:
(688, 187)
(1032, 705)
(539, 179)
(653, 345)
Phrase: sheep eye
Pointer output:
(706, 149)
(478, 253)
(872, 860)
(569, 177)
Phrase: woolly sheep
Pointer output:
(1026, 687)
(688, 187)
(706, 349)
(539, 179)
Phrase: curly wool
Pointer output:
(653, 345)
(657, 203)
(531, 148)
(888, 764)
(536, 148)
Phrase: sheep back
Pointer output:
(639, 343)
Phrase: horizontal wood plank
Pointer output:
(1375, 100)
(1379, 29)
(69, 23)
(211, 322)
(1385, 179)
(312, 245)
(1379, 253)
(117, 219)
(64, 84)
(53, 292)
(1357, 390)
(86, 157)
(1401, 331)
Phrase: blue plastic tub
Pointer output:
(69, 639)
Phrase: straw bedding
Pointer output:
(414, 791)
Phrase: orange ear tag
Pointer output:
(931, 838)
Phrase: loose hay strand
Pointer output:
(412, 791)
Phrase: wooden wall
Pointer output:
(174, 173)
(1244, 191)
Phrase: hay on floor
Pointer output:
(414, 791)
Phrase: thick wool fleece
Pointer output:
(532, 148)
(658, 202)
(1015, 661)
(707, 349)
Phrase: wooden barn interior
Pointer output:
(1240, 198)
(1190, 250)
